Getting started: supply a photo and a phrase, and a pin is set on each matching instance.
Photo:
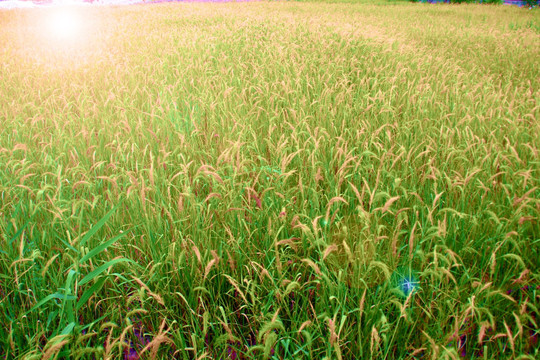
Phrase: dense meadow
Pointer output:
(270, 180)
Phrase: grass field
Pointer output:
(271, 181)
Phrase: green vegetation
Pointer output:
(271, 180)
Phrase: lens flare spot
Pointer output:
(408, 285)
(405, 281)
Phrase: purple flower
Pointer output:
(533, 339)
(461, 343)
(231, 352)
(142, 339)
(131, 354)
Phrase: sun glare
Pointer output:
(65, 24)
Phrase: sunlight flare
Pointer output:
(65, 24)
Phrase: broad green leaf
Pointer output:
(68, 291)
(100, 248)
(68, 329)
(67, 244)
(97, 321)
(69, 280)
(98, 226)
(88, 293)
(92, 275)
(18, 234)
(49, 298)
